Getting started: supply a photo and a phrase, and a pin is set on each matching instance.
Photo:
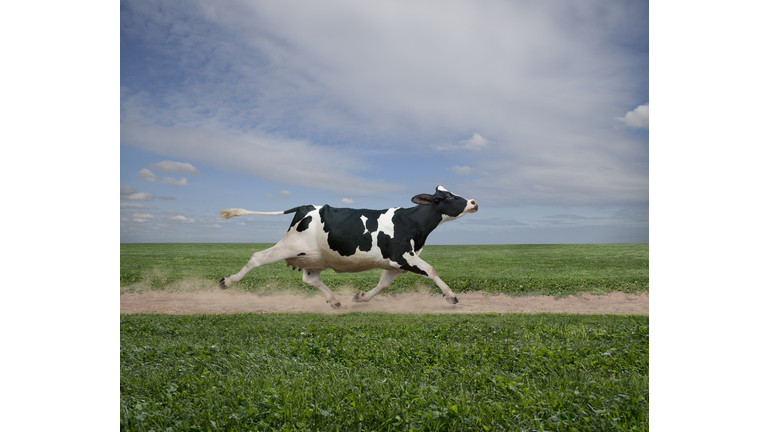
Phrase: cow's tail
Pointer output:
(230, 213)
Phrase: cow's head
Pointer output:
(450, 205)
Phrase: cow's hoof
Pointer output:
(452, 300)
(359, 297)
(222, 284)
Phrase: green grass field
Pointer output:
(380, 372)
(558, 270)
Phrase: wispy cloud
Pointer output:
(475, 143)
(181, 219)
(129, 193)
(461, 170)
(281, 194)
(135, 206)
(147, 175)
(176, 167)
(141, 217)
(173, 182)
(294, 161)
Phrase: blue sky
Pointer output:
(538, 110)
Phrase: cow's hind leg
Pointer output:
(258, 259)
(386, 279)
(313, 278)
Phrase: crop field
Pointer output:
(384, 372)
(388, 372)
(557, 270)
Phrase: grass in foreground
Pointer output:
(558, 270)
(383, 372)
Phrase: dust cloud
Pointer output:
(198, 297)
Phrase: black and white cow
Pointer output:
(353, 240)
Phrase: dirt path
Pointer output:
(219, 302)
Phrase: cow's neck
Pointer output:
(424, 219)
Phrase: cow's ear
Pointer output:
(423, 199)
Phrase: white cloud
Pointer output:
(475, 143)
(147, 175)
(181, 219)
(141, 217)
(637, 119)
(173, 182)
(129, 193)
(135, 206)
(214, 226)
(347, 201)
(282, 194)
(176, 167)
(461, 170)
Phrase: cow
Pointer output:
(353, 240)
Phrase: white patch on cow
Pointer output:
(440, 188)
(411, 257)
(365, 228)
(447, 218)
(386, 224)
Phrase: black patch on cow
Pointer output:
(304, 224)
(415, 224)
(372, 223)
(345, 228)
(445, 203)
(298, 218)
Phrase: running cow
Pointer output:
(354, 240)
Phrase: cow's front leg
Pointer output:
(313, 278)
(418, 265)
(386, 279)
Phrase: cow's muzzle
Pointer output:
(474, 205)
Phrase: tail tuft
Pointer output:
(230, 213)
(233, 212)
